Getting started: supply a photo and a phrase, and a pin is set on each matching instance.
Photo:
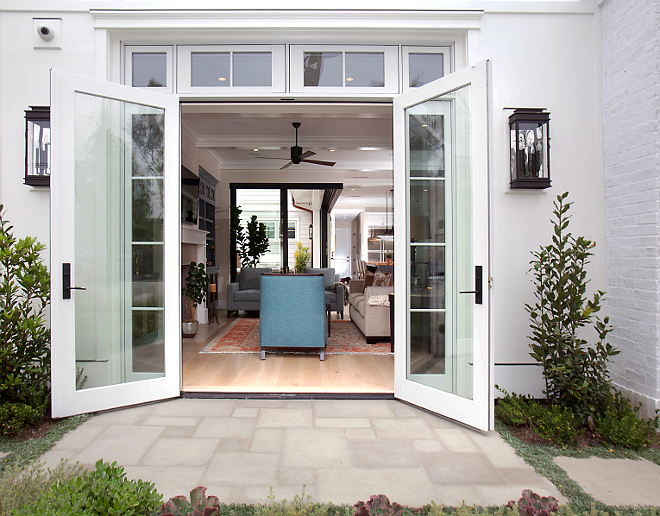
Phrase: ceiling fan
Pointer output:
(298, 156)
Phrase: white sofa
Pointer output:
(372, 320)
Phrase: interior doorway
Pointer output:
(246, 147)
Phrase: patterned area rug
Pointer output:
(242, 336)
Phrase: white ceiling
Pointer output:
(360, 134)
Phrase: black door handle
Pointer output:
(478, 286)
(66, 282)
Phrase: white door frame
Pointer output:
(66, 400)
(476, 412)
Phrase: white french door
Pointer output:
(115, 275)
(442, 354)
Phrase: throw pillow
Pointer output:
(379, 301)
(368, 279)
(381, 280)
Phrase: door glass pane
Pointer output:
(265, 205)
(424, 68)
(118, 241)
(365, 69)
(323, 69)
(426, 133)
(439, 170)
(149, 69)
(210, 69)
(253, 69)
(427, 210)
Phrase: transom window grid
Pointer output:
(243, 69)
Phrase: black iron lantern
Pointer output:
(37, 146)
(530, 148)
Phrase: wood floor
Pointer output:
(279, 373)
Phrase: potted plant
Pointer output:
(194, 292)
(302, 256)
(388, 256)
(252, 241)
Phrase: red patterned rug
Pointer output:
(242, 336)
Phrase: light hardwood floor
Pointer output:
(246, 372)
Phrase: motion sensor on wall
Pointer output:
(45, 32)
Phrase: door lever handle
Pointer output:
(478, 286)
(66, 282)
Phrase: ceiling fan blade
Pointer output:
(287, 165)
(264, 157)
(317, 162)
(307, 154)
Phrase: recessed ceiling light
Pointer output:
(332, 150)
(349, 79)
(255, 150)
(368, 148)
(222, 79)
(425, 125)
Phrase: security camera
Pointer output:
(45, 32)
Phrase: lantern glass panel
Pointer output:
(529, 151)
(38, 134)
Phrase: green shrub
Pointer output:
(16, 416)
(553, 422)
(22, 482)
(618, 424)
(558, 424)
(24, 295)
(576, 373)
(104, 491)
(516, 409)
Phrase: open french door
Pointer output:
(442, 355)
(115, 274)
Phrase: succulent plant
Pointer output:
(378, 505)
(199, 505)
(532, 504)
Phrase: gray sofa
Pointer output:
(245, 294)
(334, 299)
(373, 321)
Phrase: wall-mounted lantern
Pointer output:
(530, 148)
(37, 146)
(311, 232)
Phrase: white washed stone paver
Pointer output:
(342, 451)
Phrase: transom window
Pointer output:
(310, 69)
(149, 67)
(360, 69)
(213, 68)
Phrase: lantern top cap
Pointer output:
(529, 115)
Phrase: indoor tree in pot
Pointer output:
(302, 256)
(197, 283)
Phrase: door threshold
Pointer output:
(289, 395)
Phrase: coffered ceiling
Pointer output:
(358, 137)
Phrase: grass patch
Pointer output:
(540, 457)
(24, 451)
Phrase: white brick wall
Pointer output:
(631, 143)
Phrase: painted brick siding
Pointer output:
(631, 108)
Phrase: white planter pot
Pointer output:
(189, 329)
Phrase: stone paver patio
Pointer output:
(341, 451)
